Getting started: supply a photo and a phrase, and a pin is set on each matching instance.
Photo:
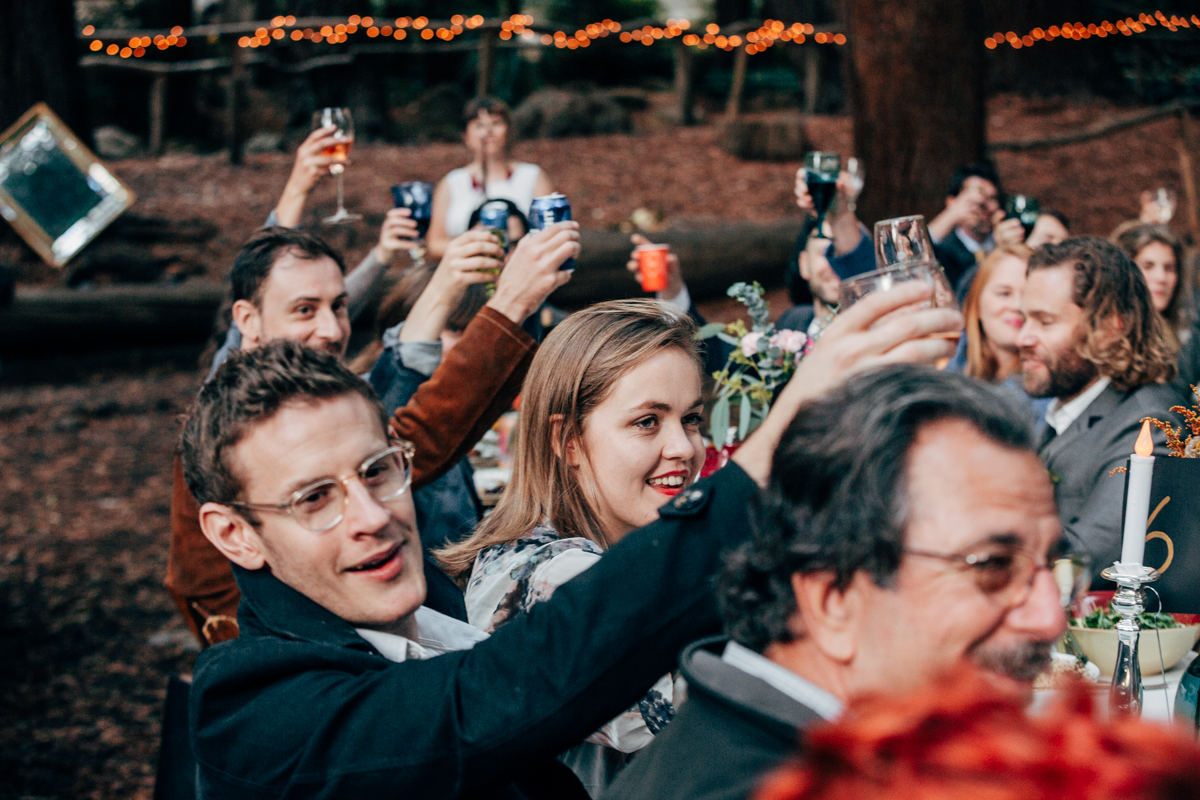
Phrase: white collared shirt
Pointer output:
(1060, 415)
(973, 246)
(437, 634)
(786, 681)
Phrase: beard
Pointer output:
(1068, 374)
(1022, 662)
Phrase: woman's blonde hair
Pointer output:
(981, 361)
(573, 372)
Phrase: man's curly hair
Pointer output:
(1124, 336)
(838, 497)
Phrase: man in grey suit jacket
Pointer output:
(908, 527)
(1093, 341)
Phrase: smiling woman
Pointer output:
(609, 432)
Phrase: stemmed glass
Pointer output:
(1164, 198)
(417, 197)
(903, 252)
(821, 174)
(858, 177)
(339, 151)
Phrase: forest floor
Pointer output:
(87, 632)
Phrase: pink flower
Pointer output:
(789, 341)
(750, 344)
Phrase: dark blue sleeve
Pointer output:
(393, 382)
(859, 260)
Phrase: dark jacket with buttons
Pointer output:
(301, 706)
(733, 729)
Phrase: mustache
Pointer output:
(1021, 662)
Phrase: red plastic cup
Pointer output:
(652, 266)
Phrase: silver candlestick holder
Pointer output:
(1125, 696)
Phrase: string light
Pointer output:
(768, 34)
(1077, 31)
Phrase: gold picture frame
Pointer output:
(54, 191)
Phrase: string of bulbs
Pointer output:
(281, 29)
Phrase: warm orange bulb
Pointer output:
(96, 45)
(1145, 444)
(177, 31)
(88, 30)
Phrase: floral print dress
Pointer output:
(507, 580)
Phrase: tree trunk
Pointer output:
(39, 61)
(917, 94)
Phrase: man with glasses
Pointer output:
(288, 284)
(342, 684)
(908, 526)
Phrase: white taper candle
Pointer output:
(1137, 498)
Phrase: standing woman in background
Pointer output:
(1158, 252)
(487, 133)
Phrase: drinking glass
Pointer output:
(1024, 208)
(821, 174)
(902, 240)
(903, 252)
(858, 176)
(1164, 198)
(339, 151)
(417, 197)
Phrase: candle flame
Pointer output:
(1145, 445)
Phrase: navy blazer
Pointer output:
(732, 731)
(301, 706)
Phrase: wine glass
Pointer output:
(902, 240)
(339, 151)
(1164, 198)
(821, 174)
(858, 177)
(417, 197)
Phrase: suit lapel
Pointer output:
(1108, 401)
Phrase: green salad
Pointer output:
(1106, 619)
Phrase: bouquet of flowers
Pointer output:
(762, 361)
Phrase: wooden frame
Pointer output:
(40, 129)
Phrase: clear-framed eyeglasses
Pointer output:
(322, 505)
(1006, 574)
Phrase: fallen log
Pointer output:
(42, 321)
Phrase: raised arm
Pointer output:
(478, 379)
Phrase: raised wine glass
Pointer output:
(339, 151)
(821, 174)
(417, 197)
(1164, 199)
(903, 252)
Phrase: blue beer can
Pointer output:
(417, 197)
(494, 217)
(545, 211)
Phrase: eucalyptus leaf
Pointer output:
(719, 421)
(743, 418)
(710, 330)
(725, 337)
